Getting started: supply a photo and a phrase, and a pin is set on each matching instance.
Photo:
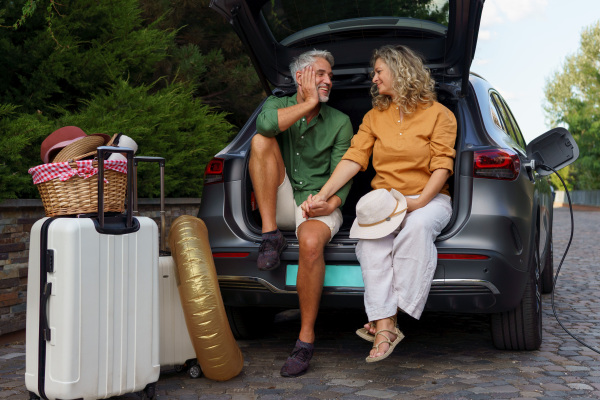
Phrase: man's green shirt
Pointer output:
(310, 151)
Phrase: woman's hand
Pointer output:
(435, 183)
(413, 204)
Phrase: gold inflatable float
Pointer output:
(216, 349)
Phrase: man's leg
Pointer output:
(267, 172)
(312, 237)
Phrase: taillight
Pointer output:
(501, 164)
(230, 255)
(462, 257)
(214, 171)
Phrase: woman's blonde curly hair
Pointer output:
(412, 82)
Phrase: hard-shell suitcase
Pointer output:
(92, 304)
(176, 349)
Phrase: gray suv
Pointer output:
(494, 256)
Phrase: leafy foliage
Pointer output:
(19, 141)
(573, 99)
(208, 54)
(168, 123)
(88, 45)
(101, 66)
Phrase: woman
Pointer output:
(411, 137)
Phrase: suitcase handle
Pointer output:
(161, 164)
(102, 151)
(45, 328)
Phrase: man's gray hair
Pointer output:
(308, 58)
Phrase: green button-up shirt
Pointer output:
(310, 151)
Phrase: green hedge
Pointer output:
(169, 123)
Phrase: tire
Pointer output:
(548, 271)
(249, 322)
(521, 328)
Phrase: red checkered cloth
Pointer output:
(63, 171)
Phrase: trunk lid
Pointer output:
(444, 32)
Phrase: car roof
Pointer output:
(443, 32)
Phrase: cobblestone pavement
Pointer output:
(443, 356)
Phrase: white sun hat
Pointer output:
(378, 213)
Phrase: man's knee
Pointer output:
(312, 240)
(261, 144)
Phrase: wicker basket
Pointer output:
(80, 196)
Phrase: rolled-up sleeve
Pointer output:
(362, 144)
(341, 145)
(442, 142)
(267, 122)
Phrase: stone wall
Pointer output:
(16, 220)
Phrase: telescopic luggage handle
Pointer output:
(161, 164)
(102, 151)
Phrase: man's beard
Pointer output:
(323, 98)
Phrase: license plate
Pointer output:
(335, 275)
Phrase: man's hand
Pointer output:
(316, 206)
(307, 85)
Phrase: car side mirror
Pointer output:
(555, 148)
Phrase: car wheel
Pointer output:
(521, 328)
(249, 322)
(548, 272)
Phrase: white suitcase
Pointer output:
(92, 308)
(176, 347)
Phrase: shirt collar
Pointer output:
(323, 110)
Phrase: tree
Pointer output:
(573, 99)
(93, 64)
(66, 53)
(208, 54)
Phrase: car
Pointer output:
(494, 256)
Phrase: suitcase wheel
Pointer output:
(33, 396)
(178, 368)
(149, 392)
(195, 371)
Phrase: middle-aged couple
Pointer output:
(302, 162)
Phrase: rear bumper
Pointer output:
(487, 286)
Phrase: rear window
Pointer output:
(296, 21)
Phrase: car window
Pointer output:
(503, 119)
(287, 18)
(518, 135)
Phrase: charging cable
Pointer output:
(563, 258)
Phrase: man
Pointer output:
(300, 140)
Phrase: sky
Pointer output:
(522, 44)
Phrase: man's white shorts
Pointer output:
(289, 215)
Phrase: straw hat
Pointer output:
(378, 213)
(63, 137)
(82, 147)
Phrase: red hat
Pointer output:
(62, 137)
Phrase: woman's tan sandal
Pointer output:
(399, 337)
(368, 336)
(365, 334)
